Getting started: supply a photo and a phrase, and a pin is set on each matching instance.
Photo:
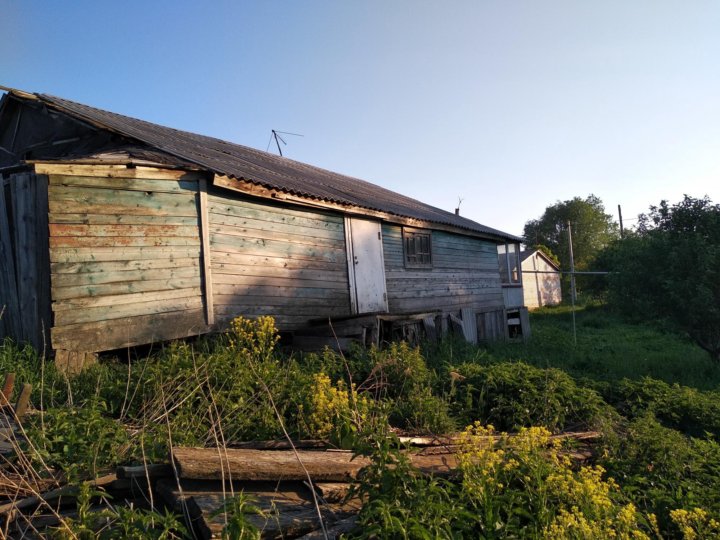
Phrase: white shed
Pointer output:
(540, 288)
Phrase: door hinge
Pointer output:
(384, 297)
(379, 237)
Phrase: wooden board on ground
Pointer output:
(287, 508)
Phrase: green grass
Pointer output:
(609, 349)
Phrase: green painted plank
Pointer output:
(97, 278)
(121, 266)
(221, 255)
(120, 242)
(125, 184)
(275, 248)
(105, 313)
(156, 230)
(119, 299)
(121, 219)
(108, 289)
(97, 254)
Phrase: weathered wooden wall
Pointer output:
(276, 260)
(464, 273)
(24, 284)
(125, 260)
(540, 289)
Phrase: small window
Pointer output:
(417, 245)
(509, 263)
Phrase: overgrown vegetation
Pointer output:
(652, 394)
(670, 269)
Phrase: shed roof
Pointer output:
(527, 253)
(262, 168)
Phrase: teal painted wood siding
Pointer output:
(464, 273)
(275, 260)
(125, 261)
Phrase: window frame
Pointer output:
(506, 274)
(409, 233)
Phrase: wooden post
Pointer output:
(73, 362)
(7, 389)
(23, 401)
(572, 282)
(622, 230)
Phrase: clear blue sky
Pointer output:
(511, 105)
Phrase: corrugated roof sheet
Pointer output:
(268, 170)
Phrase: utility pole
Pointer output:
(573, 292)
(622, 230)
(572, 281)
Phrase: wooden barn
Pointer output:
(116, 232)
(540, 279)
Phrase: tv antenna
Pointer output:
(457, 210)
(278, 139)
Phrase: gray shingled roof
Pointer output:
(265, 169)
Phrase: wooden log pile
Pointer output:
(291, 489)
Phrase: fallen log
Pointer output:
(321, 466)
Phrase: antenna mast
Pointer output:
(278, 139)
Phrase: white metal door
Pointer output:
(366, 266)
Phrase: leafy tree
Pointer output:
(592, 230)
(547, 252)
(670, 269)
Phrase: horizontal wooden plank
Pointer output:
(290, 237)
(266, 281)
(124, 230)
(444, 303)
(309, 312)
(275, 248)
(223, 255)
(275, 291)
(274, 212)
(437, 275)
(130, 298)
(121, 219)
(117, 311)
(128, 184)
(279, 222)
(121, 241)
(117, 171)
(97, 278)
(147, 208)
(129, 331)
(108, 289)
(453, 291)
(279, 272)
(95, 254)
(230, 299)
(121, 197)
(282, 322)
(123, 266)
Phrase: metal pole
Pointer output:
(572, 282)
(622, 230)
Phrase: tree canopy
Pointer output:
(670, 269)
(592, 230)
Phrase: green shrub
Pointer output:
(661, 469)
(80, 441)
(515, 395)
(688, 410)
